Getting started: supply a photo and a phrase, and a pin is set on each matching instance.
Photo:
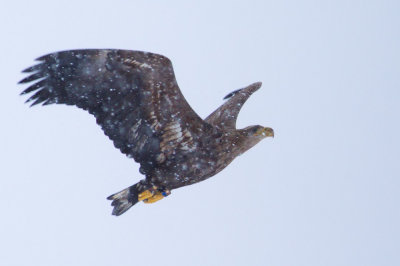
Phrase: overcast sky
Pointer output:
(324, 191)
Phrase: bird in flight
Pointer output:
(136, 100)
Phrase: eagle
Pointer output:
(135, 98)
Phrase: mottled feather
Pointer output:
(133, 95)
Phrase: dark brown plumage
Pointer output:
(138, 104)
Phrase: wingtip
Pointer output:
(231, 94)
(29, 100)
(32, 68)
(44, 57)
(254, 86)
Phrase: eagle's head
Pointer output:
(259, 132)
(252, 135)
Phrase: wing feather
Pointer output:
(226, 115)
(133, 95)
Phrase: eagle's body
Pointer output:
(137, 102)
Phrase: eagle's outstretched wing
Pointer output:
(133, 95)
(226, 115)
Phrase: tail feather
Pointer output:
(124, 199)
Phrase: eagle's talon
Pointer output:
(145, 195)
(158, 195)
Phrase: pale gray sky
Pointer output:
(325, 191)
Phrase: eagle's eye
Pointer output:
(255, 130)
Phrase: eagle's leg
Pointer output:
(157, 195)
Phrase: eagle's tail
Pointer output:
(125, 199)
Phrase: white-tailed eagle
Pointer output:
(136, 100)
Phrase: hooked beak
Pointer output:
(266, 132)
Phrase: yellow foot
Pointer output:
(158, 195)
(147, 194)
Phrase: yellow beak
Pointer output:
(266, 132)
